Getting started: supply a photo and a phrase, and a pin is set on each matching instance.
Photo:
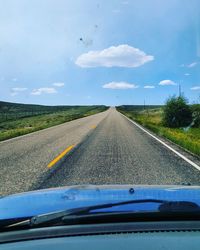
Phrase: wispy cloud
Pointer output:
(124, 2)
(115, 56)
(14, 79)
(187, 74)
(16, 90)
(40, 91)
(120, 85)
(195, 88)
(191, 65)
(167, 82)
(58, 84)
(149, 87)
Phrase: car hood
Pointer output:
(51, 200)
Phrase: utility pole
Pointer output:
(180, 93)
(179, 90)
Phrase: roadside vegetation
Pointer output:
(176, 121)
(20, 119)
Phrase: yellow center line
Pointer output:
(93, 126)
(60, 156)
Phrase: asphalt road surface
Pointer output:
(109, 150)
(24, 160)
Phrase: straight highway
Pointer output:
(105, 148)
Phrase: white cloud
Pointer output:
(191, 65)
(120, 85)
(186, 74)
(43, 91)
(15, 91)
(195, 88)
(167, 82)
(18, 89)
(115, 56)
(58, 84)
(149, 87)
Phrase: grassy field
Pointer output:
(13, 111)
(151, 118)
(18, 125)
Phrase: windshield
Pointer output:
(98, 93)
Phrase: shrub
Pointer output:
(177, 113)
(196, 115)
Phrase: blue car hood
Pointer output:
(51, 200)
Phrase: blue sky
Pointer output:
(116, 52)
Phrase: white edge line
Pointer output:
(31, 133)
(167, 146)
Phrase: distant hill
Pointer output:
(10, 111)
(31, 107)
(139, 107)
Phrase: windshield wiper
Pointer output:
(46, 218)
(76, 214)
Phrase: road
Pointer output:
(109, 150)
(24, 160)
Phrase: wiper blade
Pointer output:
(51, 218)
(74, 214)
(46, 218)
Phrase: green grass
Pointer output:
(13, 111)
(21, 126)
(152, 119)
